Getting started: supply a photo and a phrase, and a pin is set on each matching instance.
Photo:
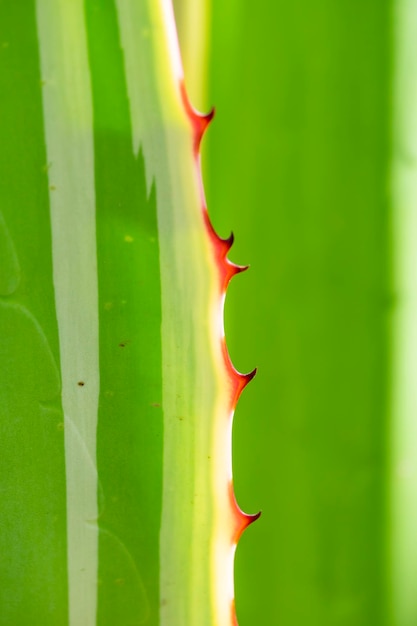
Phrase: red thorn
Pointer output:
(242, 520)
(227, 268)
(241, 381)
(222, 246)
(227, 271)
(198, 120)
(230, 240)
(246, 378)
(240, 268)
(245, 521)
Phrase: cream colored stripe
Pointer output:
(67, 106)
(404, 410)
(192, 364)
(193, 24)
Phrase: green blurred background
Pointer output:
(296, 164)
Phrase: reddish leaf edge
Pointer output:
(227, 270)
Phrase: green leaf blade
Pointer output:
(130, 435)
(32, 470)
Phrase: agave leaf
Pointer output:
(117, 391)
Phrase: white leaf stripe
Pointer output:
(67, 110)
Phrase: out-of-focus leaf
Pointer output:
(298, 167)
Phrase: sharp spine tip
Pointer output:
(209, 116)
(252, 517)
(238, 269)
(246, 521)
(201, 121)
(249, 376)
(230, 240)
(242, 380)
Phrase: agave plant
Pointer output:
(117, 391)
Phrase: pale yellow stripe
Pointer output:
(196, 578)
(404, 401)
(67, 107)
(193, 23)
